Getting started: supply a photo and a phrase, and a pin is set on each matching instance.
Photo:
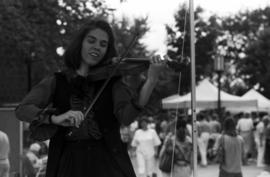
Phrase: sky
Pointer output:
(160, 12)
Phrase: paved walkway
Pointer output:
(212, 171)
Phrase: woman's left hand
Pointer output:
(157, 64)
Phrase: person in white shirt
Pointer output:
(145, 141)
(245, 129)
(260, 139)
(204, 131)
(4, 152)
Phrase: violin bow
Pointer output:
(117, 64)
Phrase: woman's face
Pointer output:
(94, 47)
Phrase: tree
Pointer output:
(254, 67)
(241, 31)
(127, 33)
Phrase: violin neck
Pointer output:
(137, 60)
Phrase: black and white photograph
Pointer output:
(134, 88)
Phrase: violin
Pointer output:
(132, 66)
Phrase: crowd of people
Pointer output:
(245, 136)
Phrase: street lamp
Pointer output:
(219, 68)
(29, 62)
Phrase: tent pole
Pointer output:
(193, 92)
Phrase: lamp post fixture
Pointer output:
(29, 62)
(219, 68)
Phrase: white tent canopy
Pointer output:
(207, 97)
(263, 102)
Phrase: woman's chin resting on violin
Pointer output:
(86, 143)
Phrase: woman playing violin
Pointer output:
(86, 144)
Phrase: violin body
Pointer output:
(130, 66)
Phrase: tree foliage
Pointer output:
(242, 34)
(254, 68)
(128, 34)
(240, 39)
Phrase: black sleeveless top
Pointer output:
(104, 117)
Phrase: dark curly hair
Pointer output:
(181, 130)
(229, 127)
(141, 120)
(73, 56)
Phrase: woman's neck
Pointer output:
(82, 71)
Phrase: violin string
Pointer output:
(178, 92)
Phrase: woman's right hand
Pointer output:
(68, 119)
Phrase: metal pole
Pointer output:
(193, 92)
(29, 74)
(219, 67)
(219, 99)
(21, 149)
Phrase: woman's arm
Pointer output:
(34, 109)
(217, 144)
(155, 68)
(128, 103)
(134, 142)
(33, 106)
